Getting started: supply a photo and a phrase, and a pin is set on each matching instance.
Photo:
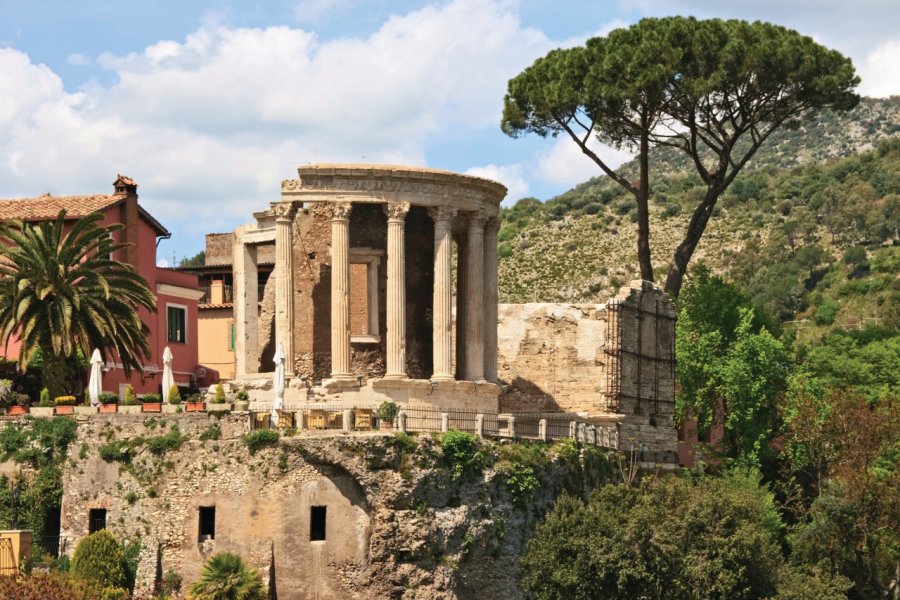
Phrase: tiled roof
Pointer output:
(47, 206)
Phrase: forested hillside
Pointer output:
(782, 230)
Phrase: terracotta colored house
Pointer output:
(175, 322)
(216, 321)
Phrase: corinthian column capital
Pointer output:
(442, 215)
(284, 211)
(340, 211)
(396, 211)
(492, 226)
(477, 220)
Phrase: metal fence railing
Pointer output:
(526, 426)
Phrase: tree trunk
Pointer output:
(643, 222)
(53, 375)
(685, 250)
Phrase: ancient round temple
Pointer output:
(365, 304)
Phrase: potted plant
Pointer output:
(130, 403)
(19, 404)
(65, 405)
(109, 402)
(151, 403)
(387, 412)
(218, 403)
(243, 400)
(173, 402)
(194, 403)
(44, 407)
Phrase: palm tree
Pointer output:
(226, 577)
(63, 293)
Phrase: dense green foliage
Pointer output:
(62, 293)
(714, 90)
(225, 576)
(668, 538)
(99, 560)
(43, 586)
(462, 453)
(42, 445)
(257, 440)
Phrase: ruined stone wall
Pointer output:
(219, 248)
(398, 524)
(312, 290)
(612, 362)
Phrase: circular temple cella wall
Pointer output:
(363, 294)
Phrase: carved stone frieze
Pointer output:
(442, 214)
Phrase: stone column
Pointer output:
(490, 299)
(475, 298)
(246, 309)
(284, 283)
(442, 306)
(396, 290)
(340, 291)
(461, 278)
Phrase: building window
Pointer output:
(317, 523)
(177, 322)
(364, 295)
(207, 523)
(96, 519)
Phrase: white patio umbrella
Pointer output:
(95, 383)
(278, 404)
(168, 380)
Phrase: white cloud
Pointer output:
(209, 125)
(880, 71)
(512, 176)
(313, 11)
(566, 165)
(78, 60)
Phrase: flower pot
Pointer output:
(17, 410)
(217, 406)
(42, 411)
(64, 410)
(241, 406)
(109, 408)
(130, 409)
(171, 408)
(194, 406)
(85, 410)
(151, 407)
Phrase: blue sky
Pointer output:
(209, 105)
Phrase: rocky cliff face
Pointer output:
(405, 518)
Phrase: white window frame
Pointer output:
(186, 330)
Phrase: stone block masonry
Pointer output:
(611, 363)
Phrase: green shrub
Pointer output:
(220, 393)
(388, 411)
(521, 482)
(242, 395)
(226, 576)
(116, 451)
(462, 453)
(130, 397)
(44, 398)
(257, 440)
(108, 398)
(151, 399)
(174, 395)
(825, 313)
(171, 441)
(115, 593)
(213, 432)
(99, 560)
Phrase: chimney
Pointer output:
(129, 216)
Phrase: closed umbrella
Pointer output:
(167, 379)
(278, 404)
(95, 383)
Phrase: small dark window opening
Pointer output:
(207, 523)
(96, 519)
(317, 523)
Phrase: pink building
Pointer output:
(175, 322)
